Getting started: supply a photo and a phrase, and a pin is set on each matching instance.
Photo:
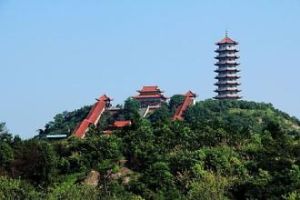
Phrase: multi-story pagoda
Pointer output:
(227, 70)
(150, 96)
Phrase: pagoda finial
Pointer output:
(226, 33)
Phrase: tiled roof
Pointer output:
(188, 101)
(150, 92)
(149, 89)
(104, 98)
(150, 96)
(93, 116)
(96, 111)
(81, 130)
(227, 40)
(121, 124)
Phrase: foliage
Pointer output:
(6, 154)
(222, 150)
(209, 186)
(131, 109)
(175, 102)
(35, 161)
(161, 115)
(17, 190)
(65, 122)
(73, 192)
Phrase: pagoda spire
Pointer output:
(227, 69)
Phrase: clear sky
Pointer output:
(60, 55)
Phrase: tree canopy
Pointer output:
(222, 150)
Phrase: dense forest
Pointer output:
(222, 150)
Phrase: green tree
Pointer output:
(5, 136)
(131, 109)
(73, 192)
(161, 115)
(6, 155)
(209, 186)
(12, 189)
(175, 102)
(36, 161)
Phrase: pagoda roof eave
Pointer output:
(146, 89)
(236, 83)
(149, 96)
(150, 91)
(228, 70)
(228, 90)
(227, 40)
(228, 98)
(228, 50)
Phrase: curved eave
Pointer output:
(227, 57)
(150, 97)
(228, 90)
(226, 50)
(227, 64)
(227, 70)
(224, 84)
(228, 98)
(227, 77)
(228, 42)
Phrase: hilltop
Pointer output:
(220, 150)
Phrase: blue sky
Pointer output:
(60, 55)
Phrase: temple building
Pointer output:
(227, 70)
(150, 96)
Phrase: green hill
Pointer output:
(222, 150)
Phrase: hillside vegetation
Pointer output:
(223, 150)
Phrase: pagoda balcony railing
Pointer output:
(227, 83)
(224, 69)
(235, 96)
(228, 76)
(230, 67)
(227, 62)
(227, 56)
(227, 89)
(226, 49)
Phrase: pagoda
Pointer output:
(227, 69)
(150, 96)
